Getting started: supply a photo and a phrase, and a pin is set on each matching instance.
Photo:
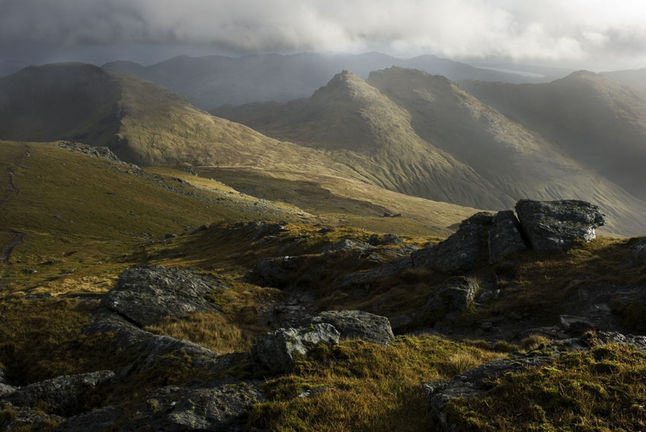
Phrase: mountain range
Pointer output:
(209, 82)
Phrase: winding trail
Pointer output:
(16, 236)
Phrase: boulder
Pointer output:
(4, 387)
(638, 250)
(638, 341)
(348, 245)
(557, 225)
(504, 237)
(62, 394)
(386, 239)
(145, 295)
(221, 407)
(276, 351)
(456, 294)
(462, 251)
(355, 324)
(23, 419)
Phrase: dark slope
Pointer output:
(592, 118)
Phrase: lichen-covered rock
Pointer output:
(4, 387)
(276, 351)
(22, 419)
(462, 251)
(145, 295)
(504, 237)
(355, 324)
(556, 225)
(456, 294)
(348, 245)
(62, 394)
(638, 341)
(215, 408)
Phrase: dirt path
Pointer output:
(16, 236)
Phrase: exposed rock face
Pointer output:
(556, 225)
(98, 420)
(355, 324)
(275, 351)
(639, 342)
(456, 294)
(27, 419)
(220, 407)
(62, 394)
(461, 251)
(504, 237)
(4, 387)
(348, 245)
(145, 295)
(638, 250)
(96, 151)
(260, 230)
(386, 239)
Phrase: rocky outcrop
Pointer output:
(96, 151)
(348, 245)
(4, 387)
(460, 252)
(556, 225)
(62, 394)
(221, 407)
(277, 272)
(504, 237)
(386, 239)
(456, 294)
(145, 295)
(355, 324)
(22, 419)
(277, 351)
(259, 230)
(638, 250)
(98, 420)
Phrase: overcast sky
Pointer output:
(598, 34)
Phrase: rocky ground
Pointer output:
(470, 286)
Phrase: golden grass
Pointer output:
(363, 386)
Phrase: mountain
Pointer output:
(596, 120)
(634, 77)
(421, 134)
(209, 82)
(140, 122)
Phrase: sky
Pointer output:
(593, 34)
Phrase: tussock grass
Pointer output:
(600, 390)
(361, 386)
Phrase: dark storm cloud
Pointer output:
(557, 30)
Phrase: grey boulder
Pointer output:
(456, 294)
(504, 237)
(355, 324)
(462, 251)
(557, 225)
(62, 394)
(277, 351)
(145, 295)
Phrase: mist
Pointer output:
(583, 34)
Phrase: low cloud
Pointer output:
(592, 31)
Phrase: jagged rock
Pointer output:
(22, 419)
(348, 245)
(456, 294)
(96, 151)
(639, 342)
(261, 229)
(386, 239)
(62, 394)
(277, 272)
(460, 252)
(145, 295)
(638, 250)
(504, 237)
(556, 225)
(275, 351)
(98, 420)
(355, 324)
(472, 383)
(177, 409)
